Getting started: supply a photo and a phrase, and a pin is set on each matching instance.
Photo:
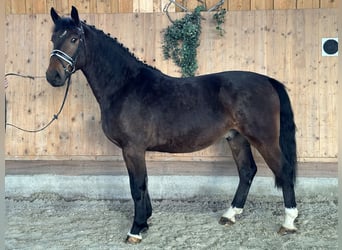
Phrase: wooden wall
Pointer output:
(128, 6)
(282, 44)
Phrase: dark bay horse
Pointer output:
(143, 109)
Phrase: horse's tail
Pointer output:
(287, 138)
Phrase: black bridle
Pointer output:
(70, 68)
(71, 61)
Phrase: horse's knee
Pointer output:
(231, 134)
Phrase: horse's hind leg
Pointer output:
(247, 169)
(284, 178)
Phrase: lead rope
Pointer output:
(55, 116)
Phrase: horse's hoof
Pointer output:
(133, 240)
(284, 231)
(225, 221)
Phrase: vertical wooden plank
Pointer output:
(262, 4)
(61, 6)
(285, 4)
(125, 6)
(297, 82)
(239, 5)
(249, 45)
(50, 4)
(39, 7)
(159, 21)
(328, 82)
(328, 3)
(157, 6)
(26, 62)
(229, 45)
(11, 44)
(148, 6)
(134, 40)
(18, 7)
(274, 27)
(149, 55)
(103, 6)
(19, 54)
(115, 6)
(142, 6)
(307, 4)
(308, 104)
(82, 6)
(8, 8)
(136, 5)
(29, 6)
(260, 41)
(93, 6)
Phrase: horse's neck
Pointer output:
(107, 69)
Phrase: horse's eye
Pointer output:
(73, 40)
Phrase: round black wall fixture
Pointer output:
(329, 47)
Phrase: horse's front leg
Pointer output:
(136, 166)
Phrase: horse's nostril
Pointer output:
(58, 76)
(54, 78)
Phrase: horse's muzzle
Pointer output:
(55, 78)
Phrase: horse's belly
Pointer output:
(176, 148)
(187, 143)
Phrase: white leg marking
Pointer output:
(290, 215)
(231, 212)
(137, 236)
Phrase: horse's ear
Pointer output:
(54, 15)
(74, 15)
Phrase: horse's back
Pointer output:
(192, 113)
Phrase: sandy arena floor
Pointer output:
(47, 221)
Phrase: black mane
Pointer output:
(110, 41)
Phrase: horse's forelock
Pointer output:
(64, 24)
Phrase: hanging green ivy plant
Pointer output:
(181, 40)
(219, 18)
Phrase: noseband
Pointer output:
(71, 61)
(70, 68)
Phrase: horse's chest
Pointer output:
(111, 128)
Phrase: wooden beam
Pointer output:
(285, 4)
(262, 5)
(239, 5)
(307, 4)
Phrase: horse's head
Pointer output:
(68, 54)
